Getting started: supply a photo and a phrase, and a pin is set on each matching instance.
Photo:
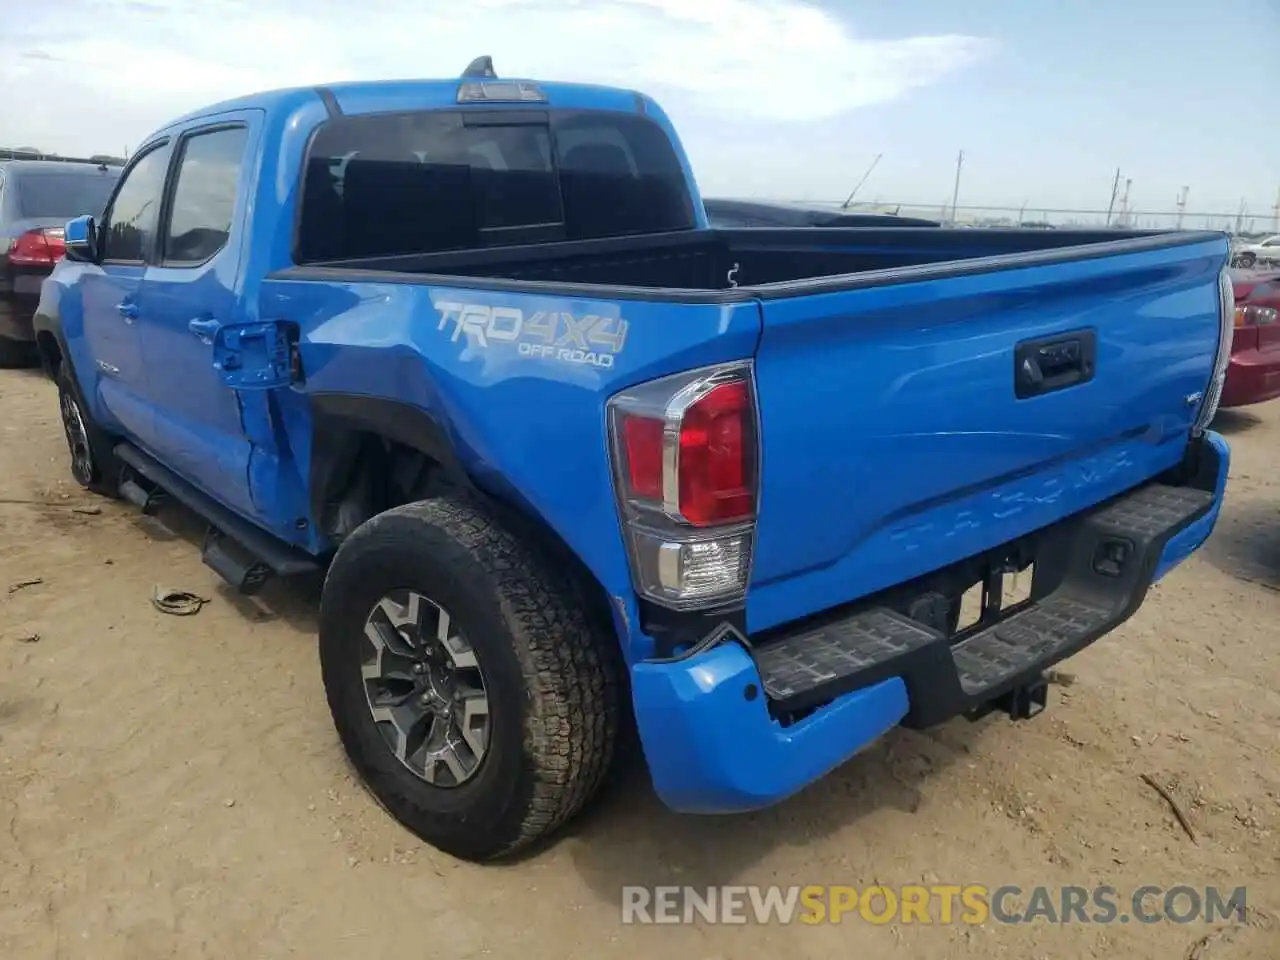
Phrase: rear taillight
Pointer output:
(38, 248)
(686, 465)
(1226, 330)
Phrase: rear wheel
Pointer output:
(465, 681)
(93, 464)
(1247, 260)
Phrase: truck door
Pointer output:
(111, 293)
(191, 290)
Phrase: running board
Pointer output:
(147, 500)
(245, 548)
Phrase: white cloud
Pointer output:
(91, 75)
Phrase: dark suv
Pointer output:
(37, 198)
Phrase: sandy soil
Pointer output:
(172, 787)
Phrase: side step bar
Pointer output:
(1092, 572)
(234, 548)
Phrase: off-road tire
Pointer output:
(103, 477)
(552, 679)
(17, 354)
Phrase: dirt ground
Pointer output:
(172, 786)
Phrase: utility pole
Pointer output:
(1182, 205)
(858, 185)
(1115, 186)
(1240, 215)
(955, 192)
(1022, 210)
(1275, 214)
(1122, 219)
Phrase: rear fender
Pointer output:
(508, 389)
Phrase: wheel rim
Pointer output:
(77, 438)
(425, 690)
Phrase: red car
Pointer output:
(1253, 374)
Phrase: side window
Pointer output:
(204, 198)
(130, 223)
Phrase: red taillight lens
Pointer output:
(717, 457)
(642, 440)
(685, 452)
(37, 248)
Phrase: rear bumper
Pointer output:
(1252, 377)
(708, 722)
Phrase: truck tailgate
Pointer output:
(913, 419)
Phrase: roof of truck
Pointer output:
(356, 97)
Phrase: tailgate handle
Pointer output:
(1053, 363)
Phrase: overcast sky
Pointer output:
(781, 98)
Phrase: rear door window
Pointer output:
(432, 181)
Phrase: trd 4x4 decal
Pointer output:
(552, 335)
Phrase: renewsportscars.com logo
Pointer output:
(934, 904)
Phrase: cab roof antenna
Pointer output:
(481, 67)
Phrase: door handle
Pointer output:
(204, 328)
(128, 310)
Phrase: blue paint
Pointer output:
(906, 442)
(1186, 542)
(711, 750)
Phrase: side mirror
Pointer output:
(81, 238)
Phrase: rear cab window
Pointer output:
(433, 181)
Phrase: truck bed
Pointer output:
(690, 265)
(899, 427)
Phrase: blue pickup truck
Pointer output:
(568, 457)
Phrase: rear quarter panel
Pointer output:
(524, 420)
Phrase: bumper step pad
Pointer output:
(809, 660)
(1152, 510)
(1096, 568)
(1030, 637)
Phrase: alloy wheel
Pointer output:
(425, 689)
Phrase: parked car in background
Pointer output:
(1253, 373)
(761, 213)
(1249, 254)
(37, 198)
